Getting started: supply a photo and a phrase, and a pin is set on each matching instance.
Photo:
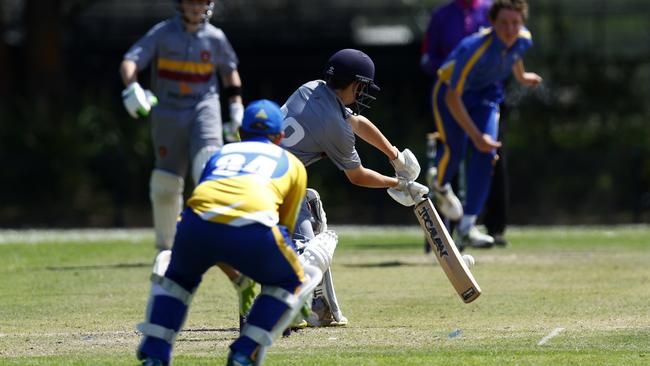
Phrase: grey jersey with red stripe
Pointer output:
(183, 64)
(316, 126)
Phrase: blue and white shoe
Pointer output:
(474, 238)
(446, 201)
(238, 359)
(153, 362)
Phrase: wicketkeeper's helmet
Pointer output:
(353, 65)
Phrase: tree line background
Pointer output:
(578, 147)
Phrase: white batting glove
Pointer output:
(231, 129)
(408, 192)
(230, 132)
(406, 165)
(236, 114)
(137, 101)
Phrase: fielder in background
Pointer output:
(322, 118)
(448, 25)
(466, 101)
(242, 213)
(186, 55)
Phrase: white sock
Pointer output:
(466, 222)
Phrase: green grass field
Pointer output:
(556, 296)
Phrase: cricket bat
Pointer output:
(446, 251)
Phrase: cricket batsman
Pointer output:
(187, 56)
(321, 120)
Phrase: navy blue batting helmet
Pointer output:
(353, 65)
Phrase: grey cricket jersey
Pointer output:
(183, 65)
(315, 126)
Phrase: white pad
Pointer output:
(319, 251)
(330, 296)
(315, 205)
(199, 161)
(163, 286)
(166, 194)
(136, 101)
(406, 165)
(313, 277)
(162, 262)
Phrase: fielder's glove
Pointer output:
(406, 165)
(408, 192)
(137, 101)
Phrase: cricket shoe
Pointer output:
(153, 362)
(321, 315)
(500, 240)
(238, 359)
(446, 201)
(150, 361)
(475, 238)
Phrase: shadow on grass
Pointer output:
(381, 246)
(99, 266)
(387, 264)
(204, 332)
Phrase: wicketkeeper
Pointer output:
(242, 213)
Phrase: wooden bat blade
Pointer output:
(446, 252)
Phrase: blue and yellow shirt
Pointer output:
(482, 61)
(249, 182)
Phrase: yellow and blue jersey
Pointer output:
(250, 182)
(481, 61)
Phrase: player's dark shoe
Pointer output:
(500, 240)
(238, 359)
(427, 247)
(149, 361)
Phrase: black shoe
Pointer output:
(500, 240)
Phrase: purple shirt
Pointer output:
(449, 24)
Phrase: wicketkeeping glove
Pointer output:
(137, 101)
(406, 165)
